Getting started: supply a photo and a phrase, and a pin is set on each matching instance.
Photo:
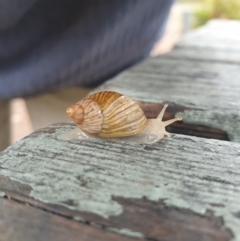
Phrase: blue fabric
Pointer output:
(53, 44)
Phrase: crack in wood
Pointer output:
(151, 110)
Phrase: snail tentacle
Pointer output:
(161, 114)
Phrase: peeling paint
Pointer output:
(228, 121)
(90, 172)
(126, 232)
(2, 194)
(79, 219)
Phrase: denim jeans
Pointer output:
(50, 45)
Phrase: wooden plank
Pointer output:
(191, 185)
(220, 35)
(205, 54)
(24, 223)
(209, 92)
(153, 219)
(216, 41)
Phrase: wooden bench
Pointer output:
(186, 187)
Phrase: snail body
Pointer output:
(110, 114)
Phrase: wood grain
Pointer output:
(153, 220)
(209, 92)
(24, 223)
(101, 181)
(216, 41)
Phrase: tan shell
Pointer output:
(108, 114)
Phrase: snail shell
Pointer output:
(108, 114)
(111, 114)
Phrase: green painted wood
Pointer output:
(206, 54)
(216, 41)
(189, 173)
(208, 91)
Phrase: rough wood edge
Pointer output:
(165, 219)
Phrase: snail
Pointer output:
(110, 114)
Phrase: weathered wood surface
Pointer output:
(24, 223)
(207, 94)
(199, 79)
(216, 41)
(191, 185)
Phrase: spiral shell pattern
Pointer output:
(110, 114)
